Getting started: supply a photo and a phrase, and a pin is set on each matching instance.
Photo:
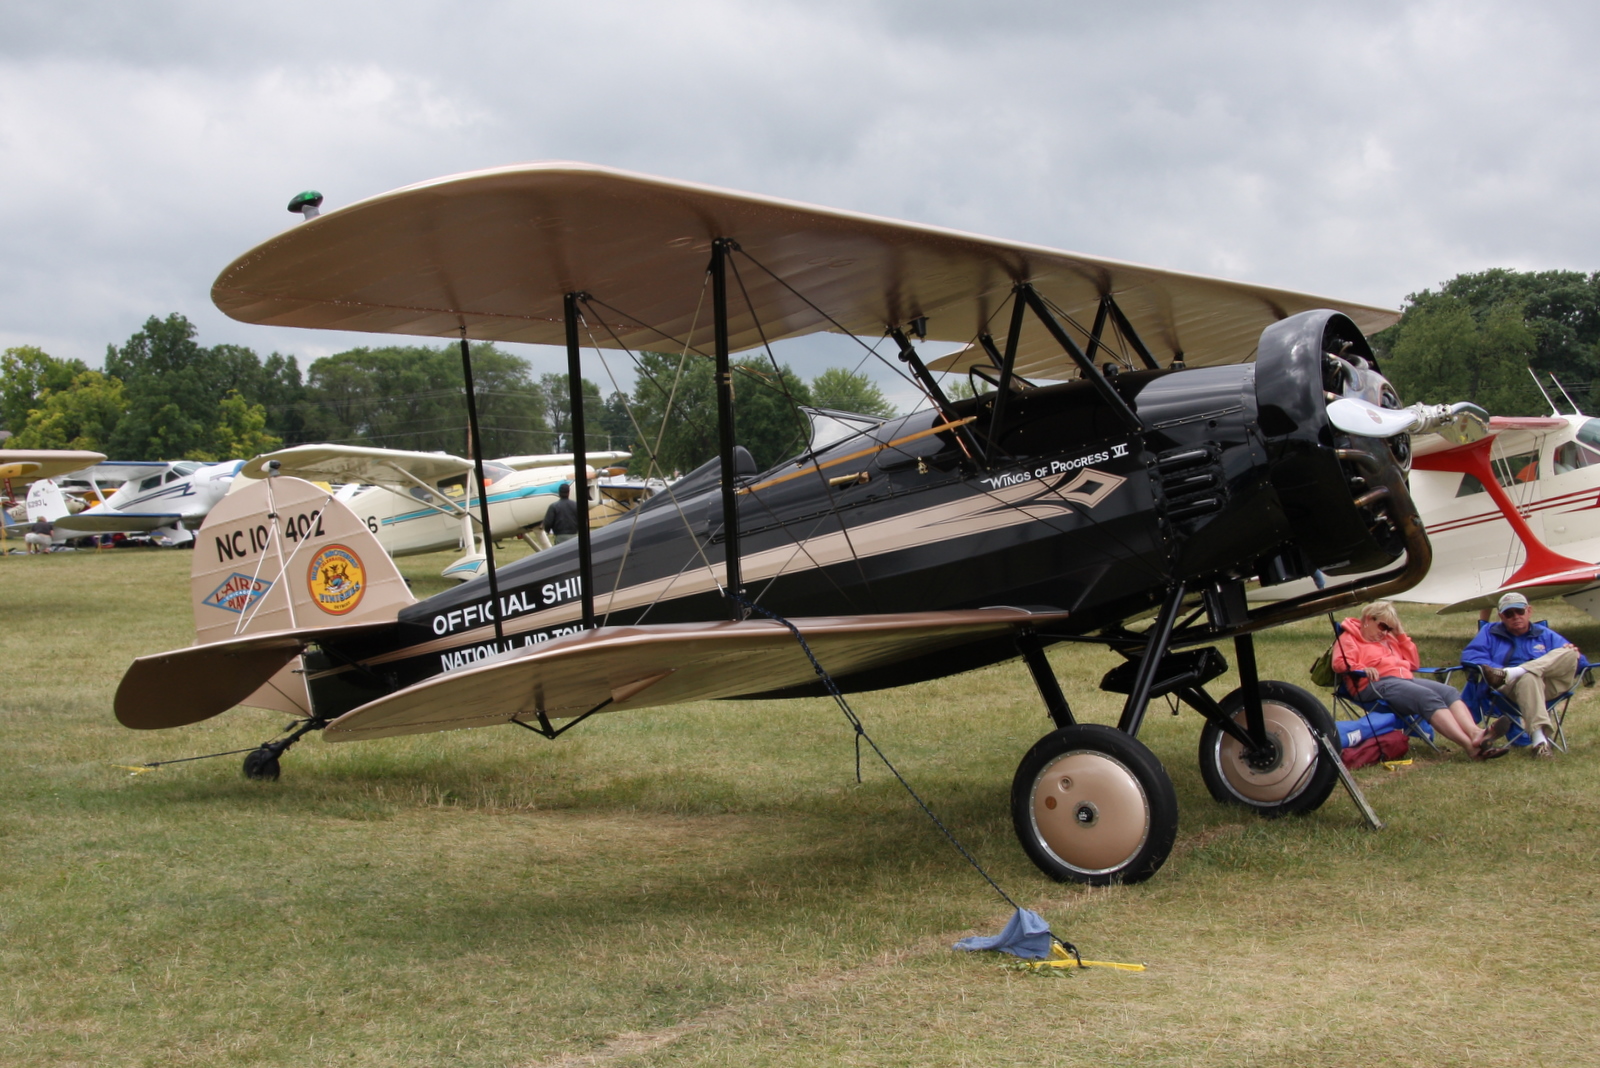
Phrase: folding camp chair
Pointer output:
(1348, 704)
(1488, 704)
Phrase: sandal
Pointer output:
(1494, 751)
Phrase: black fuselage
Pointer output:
(1064, 506)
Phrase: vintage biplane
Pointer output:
(423, 502)
(1154, 443)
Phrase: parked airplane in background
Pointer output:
(22, 469)
(168, 501)
(419, 502)
(1519, 509)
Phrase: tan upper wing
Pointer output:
(558, 459)
(494, 251)
(644, 666)
(358, 463)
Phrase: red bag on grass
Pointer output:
(1390, 745)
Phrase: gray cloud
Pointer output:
(1363, 150)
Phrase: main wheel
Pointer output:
(261, 764)
(1295, 776)
(1093, 805)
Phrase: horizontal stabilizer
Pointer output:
(1552, 584)
(644, 666)
(114, 522)
(185, 686)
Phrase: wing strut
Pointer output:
(730, 502)
(580, 456)
(908, 355)
(1008, 364)
(483, 490)
(1129, 334)
(1086, 366)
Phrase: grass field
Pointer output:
(708, 885)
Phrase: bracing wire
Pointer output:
(810, 453)
(861, 735)
(671, 495)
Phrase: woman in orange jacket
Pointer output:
(1379, 656)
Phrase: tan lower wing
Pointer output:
(644, 666)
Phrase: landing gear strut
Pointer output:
(1287, 776)
(262, 763)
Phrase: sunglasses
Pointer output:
(1515, 612)
(1385, 628)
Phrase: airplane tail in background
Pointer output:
(46, 502)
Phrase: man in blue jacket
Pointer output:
(1529, 663)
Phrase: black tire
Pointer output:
(261, 764)
(1092, 805)
(1300, 777)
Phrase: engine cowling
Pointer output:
(1341, 492)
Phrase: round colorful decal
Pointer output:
(337, 580)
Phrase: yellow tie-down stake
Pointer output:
(1060, 958)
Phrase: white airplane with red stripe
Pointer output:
(1516, 510)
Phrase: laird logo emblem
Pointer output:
(336, 580)
(238, 592)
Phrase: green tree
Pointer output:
(958, 387)
(82, 416)
(173, 387)
(847, 391)
(617, 423)
(240, 432)
(674, 401)
(412, 397)
(1448, 353)
(26, 374)
(558, 413)
(1559, 309)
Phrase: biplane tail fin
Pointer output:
(276, 565)
(284, 555)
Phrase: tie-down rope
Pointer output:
(861, 734)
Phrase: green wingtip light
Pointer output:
(306, 203)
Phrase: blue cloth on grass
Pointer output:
(1026, 935)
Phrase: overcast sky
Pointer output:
(1362, 150)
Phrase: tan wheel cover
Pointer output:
(1089, 811)
(1297, 757)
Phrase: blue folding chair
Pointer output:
(1369, 706)
(1488, 704)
